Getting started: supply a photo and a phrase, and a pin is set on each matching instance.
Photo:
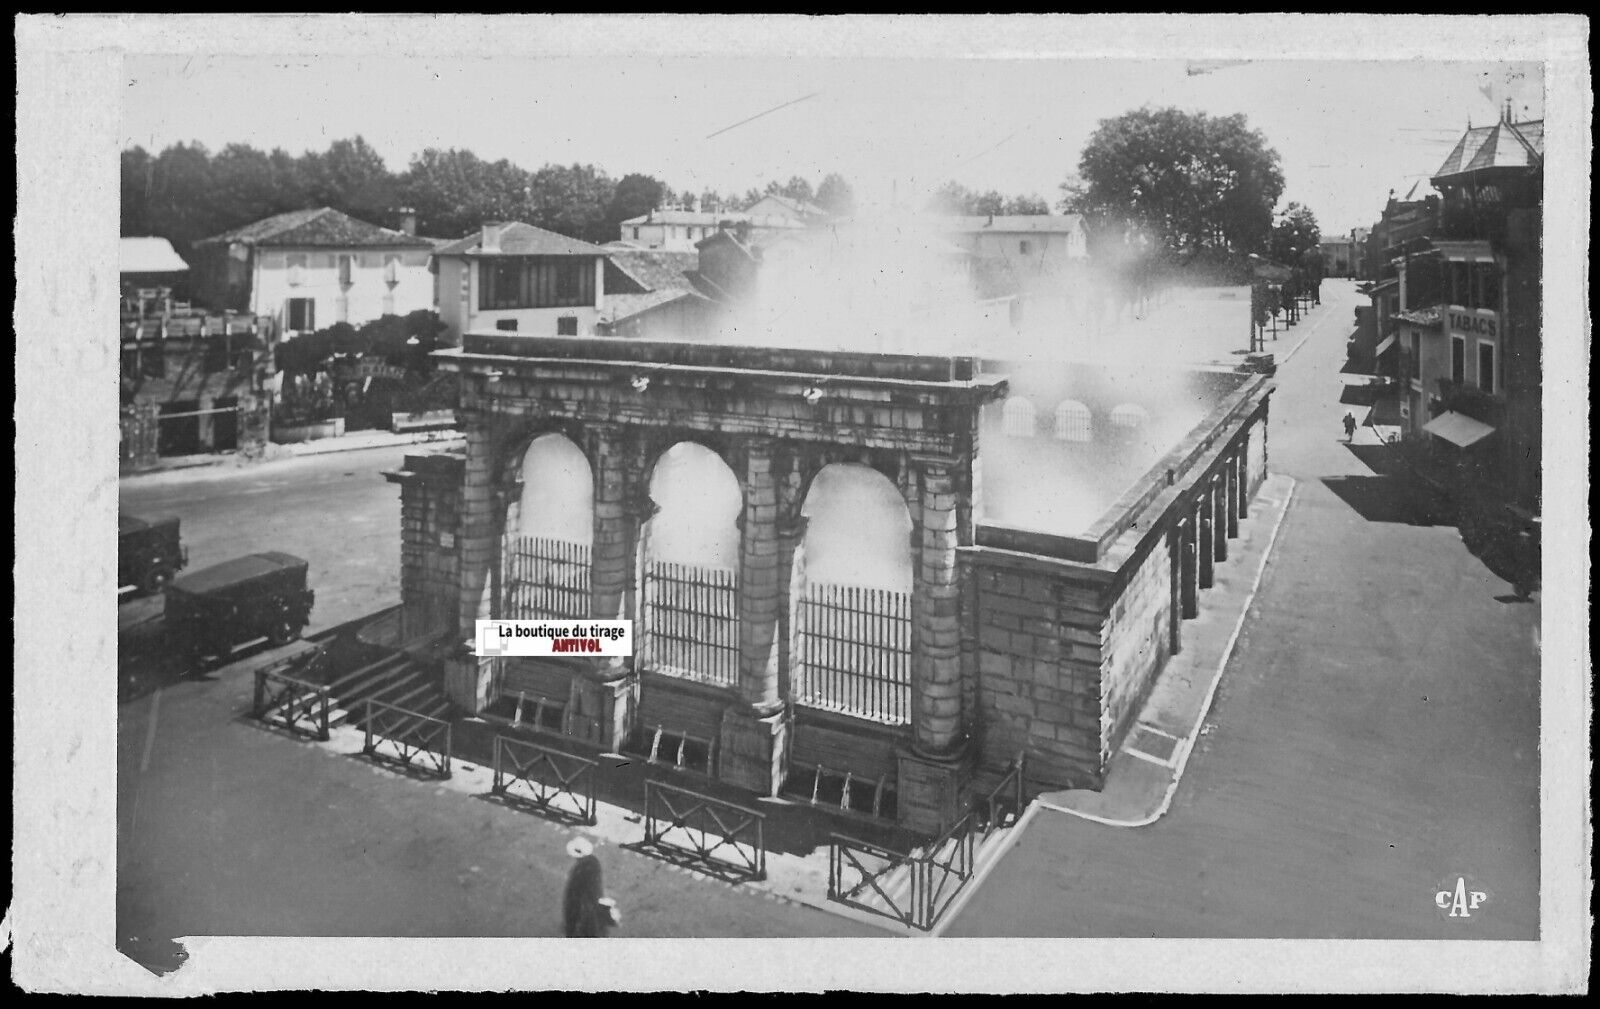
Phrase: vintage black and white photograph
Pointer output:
(1100, 496)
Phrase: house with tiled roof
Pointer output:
(308, 269)
(651, 293)
(512, 277)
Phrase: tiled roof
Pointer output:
(1012, 222)
(692, 217)
(321, 226)
(796, 206)
(620, 306)
(655, 269)
(519, 239)
(149, 255)
(1503, 145)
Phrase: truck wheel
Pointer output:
(156, 579)
(283, 631)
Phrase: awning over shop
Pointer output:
(1388, 342)
(1458, 429)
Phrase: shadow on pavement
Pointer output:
(1383, 499)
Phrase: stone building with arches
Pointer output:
(825, 604)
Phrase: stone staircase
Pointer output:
(402, 679)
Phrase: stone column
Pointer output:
(604, 697)
(1189, 594)
(1205, 513)
(936, 664)
(754, 732)
(932, 775)
(1219, 517)
(1230, 477)
(1175, 582)
(478, 526)
(1242, 476)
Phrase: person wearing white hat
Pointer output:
(586, 910)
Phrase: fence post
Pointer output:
(256, 708)
(448, 728)
(367, 746)
(322, 732)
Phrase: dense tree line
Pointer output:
(954, 198)
(187, 193)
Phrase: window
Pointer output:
(567, 325)
(346, 270)
(1017, 418)
(341, 307)
(1416, 355)
(506, 325)
(1130, 416)
(1458, 359)
(296, 262)
(391, 269)
(302, 314)
(636, 234)
(1073, 421)
(535, 282)
(1486, 367)
(1024, 247)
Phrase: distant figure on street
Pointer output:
(586, 910)
(1349, 426)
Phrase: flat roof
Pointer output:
(220, 576)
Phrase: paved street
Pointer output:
(225, 828)
(334, 510)
(1375, 736)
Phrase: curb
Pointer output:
(1186, 745)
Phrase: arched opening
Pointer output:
(1073, 421)
(1017, 418)
(689, 550)
(851, 597)
(1130, 417)
(549, 532)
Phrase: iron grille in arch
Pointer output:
(855, 652)
(545, 579)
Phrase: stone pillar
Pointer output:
(1242, 465)
(608, 688)
(754, 732)
(1175, 581)
(1205, 513)
(479, 528)
(1219, 517)
(1230, 476)
(1189, 593)
(932, 775)
(936, 680)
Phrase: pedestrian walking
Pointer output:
(1349, 426)
(586, 910)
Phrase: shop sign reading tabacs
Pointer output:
(1472, 322)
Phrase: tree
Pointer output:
(1294, 235)
(635, 196)
(571, 200)
(1192, 179)
(836, 196)
(1022, 206)
(455, 192)
(350, 176)
(795, 189)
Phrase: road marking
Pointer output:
(150, 733)
(1147, 727)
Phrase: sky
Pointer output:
(1347, 131)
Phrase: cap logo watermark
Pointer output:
(1460, 900)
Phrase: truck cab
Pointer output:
(149, 553)
(210, 611)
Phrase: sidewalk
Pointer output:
(1144, 773)
(354, 442)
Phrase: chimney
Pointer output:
(408, 220)
(489, 239)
